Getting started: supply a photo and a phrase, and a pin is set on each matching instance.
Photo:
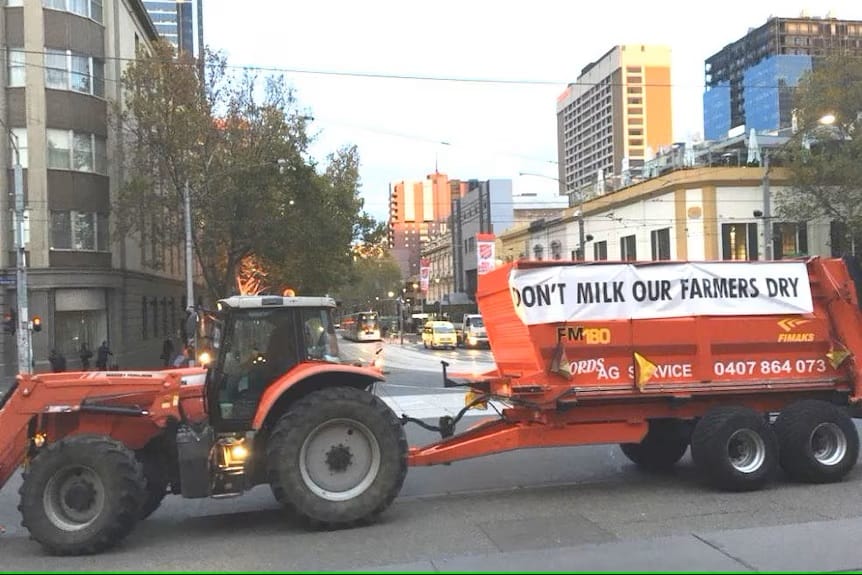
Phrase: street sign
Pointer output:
(7, 280)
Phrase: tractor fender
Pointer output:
(309, 377)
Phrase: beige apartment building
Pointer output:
(609, 119)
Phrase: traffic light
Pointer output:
(37, 323)
(9, 322)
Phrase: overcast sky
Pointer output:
(402, 127)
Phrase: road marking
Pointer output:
(431, 405)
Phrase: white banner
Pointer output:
(625, 291)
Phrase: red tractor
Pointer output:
(102, 449)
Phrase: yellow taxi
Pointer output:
(439, 334)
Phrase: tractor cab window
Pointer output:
(319, 335)
(259, 346)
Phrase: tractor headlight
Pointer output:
(239, 452)
(234, 453)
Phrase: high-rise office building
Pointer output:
(180, 22)
(618, 109)
(750, 83)
(416, 209)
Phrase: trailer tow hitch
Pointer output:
(446, 424)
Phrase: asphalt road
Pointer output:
(542, 509)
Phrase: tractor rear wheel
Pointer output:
(82, 495)
(337, 457)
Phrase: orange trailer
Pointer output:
(751, 364)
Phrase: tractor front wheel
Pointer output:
(82, 495)
(337, 457)
(156, 480)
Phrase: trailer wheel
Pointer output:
(665, 443)
(156, 481)
(337, 457)
(82, 495)
(734, 448)
(818, 442)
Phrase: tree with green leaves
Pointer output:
(824, 156)
(372, 277)
(239, 144)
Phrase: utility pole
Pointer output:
(582, 240)
(187, 209)
(401, 319)
(767, 210)
(25, 351)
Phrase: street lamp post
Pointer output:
(187, 205)
(439, 298)
(399, 306)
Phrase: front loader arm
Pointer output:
(131, 407)
(14, 426)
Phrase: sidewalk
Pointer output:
(820, 546)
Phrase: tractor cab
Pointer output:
(254, 341)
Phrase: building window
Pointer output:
(154, 305)
(739, 241)
(173, 314)
(79, 231)
(660, 240)
(600, 251)
(144, 318)
(628, 248)
(12, 3)
(67, 70)
(165, 316)
(19, 138)
(556, 250)
(68, 150)
(15, 62)
(842, 241)
(87, 8)
(538, 251)
(789, 240)
(75, 328)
